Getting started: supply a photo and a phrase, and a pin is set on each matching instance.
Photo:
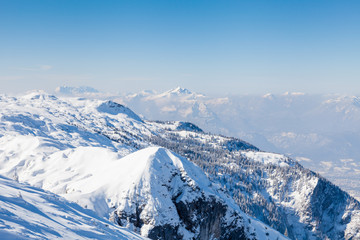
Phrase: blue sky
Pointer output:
(226, 47)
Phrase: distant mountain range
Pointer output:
(161, 179)
(320, 131)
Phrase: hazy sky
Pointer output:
(207, 46)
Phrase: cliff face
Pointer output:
(205, 219)
(327, 209)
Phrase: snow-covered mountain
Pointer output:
(30, 213)
(83, 91)
(320, 131)
(168, 197)
(104, 157)
(87, 151)
(75, 90)
(272, 187)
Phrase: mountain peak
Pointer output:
(180, 91)
(295, 94)
(269, 96)
(67, 90)
(356, 101)
(114, 108)
(164, 182)
(39, 94)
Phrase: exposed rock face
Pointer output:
(200, 212)
(325, 208)
(204, 218)
(172, 205)
(166, 232)
(209, 216)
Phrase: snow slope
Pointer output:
(31, 213)
(268, 158)
(101, 180)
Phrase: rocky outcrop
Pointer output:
(204, 218)
(209, 216)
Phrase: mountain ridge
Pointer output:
(271, 187)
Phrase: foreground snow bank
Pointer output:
(30, 213)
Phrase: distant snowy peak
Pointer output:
(66, 90)
(286, 96)
(356, 101)
(114, 108)
(38, 95)
(345, 104)
(295, 94)
(179, 91)
(269, 96)
(141, 94)
(176, 104)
